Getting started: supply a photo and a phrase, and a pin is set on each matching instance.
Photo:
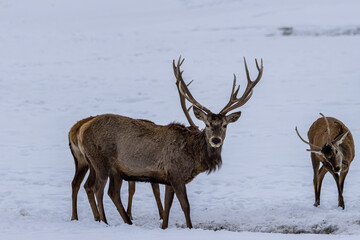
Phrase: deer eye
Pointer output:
(207, 125)
(224, 126)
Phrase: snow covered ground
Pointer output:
(62, 61)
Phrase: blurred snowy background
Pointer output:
(62, 61)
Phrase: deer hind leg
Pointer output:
(169, 197)
(81, 168)
(114, 194)
(131, 195)
(315, 164)
(89, 186)
(99, 193)
(156, 191)
(180, 191)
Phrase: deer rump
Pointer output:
(82, 166)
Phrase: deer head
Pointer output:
(331, 153)
(215, 124)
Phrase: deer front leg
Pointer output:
(340, 198)
(156, 191)
(321, 175)
(180, 191)
(169, 197)
(342, 180)
(341, 184)
(315, 164)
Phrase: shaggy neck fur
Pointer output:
(207, 156)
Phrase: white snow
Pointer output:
(62, 61)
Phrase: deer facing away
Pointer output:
(81, 168)
(120, 147)
(331, 144)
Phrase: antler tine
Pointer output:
(184, 92)
(327, 126)
(235, 102)
(311, 145)
(178, 76)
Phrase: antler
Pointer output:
(235, 102)
(327, 126)
(184, 92)
(311, 145)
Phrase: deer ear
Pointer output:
(339, 140)
(199, 114)
(233, 117)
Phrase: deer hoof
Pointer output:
(316, 204)
(129, 215)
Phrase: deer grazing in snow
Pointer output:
(332, 144)
(81, 168)
(120, 147)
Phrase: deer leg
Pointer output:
(99, 193)
(156, 191)
(342, 180)
(321, 175)
(89, 185)
(80, 172)
(169, 197)
(114, 194)
(340, 198)
(316, 163)
(180, 191)
(341, 183)
(131, 195)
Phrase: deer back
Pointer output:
(318, 135)
(140, 149)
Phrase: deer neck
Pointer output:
(207, 158)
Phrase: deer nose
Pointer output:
(216, 140)
(336, 169)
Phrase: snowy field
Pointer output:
(62, 61)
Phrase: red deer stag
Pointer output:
(120, 147)
(82, 166)
(332, 144)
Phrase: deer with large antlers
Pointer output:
(331, 144)
(119, 147)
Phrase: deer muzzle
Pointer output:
(215, 142)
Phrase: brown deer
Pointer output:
(120, 147)
(82, 166)
(332, 144)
